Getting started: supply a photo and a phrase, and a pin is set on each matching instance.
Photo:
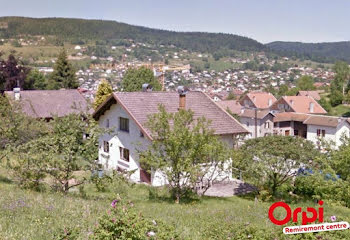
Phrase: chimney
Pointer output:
(17, 93)
(254, 98)
(182, 96)
(270, 102)
(311, 107)
(291, 102)
(147, 87)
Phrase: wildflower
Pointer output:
(114, 202)
(154, 222)
(151, 234)
(333, 218)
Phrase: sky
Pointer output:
(262, 20)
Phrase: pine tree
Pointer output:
(103, 92)
(63, 75)
(35, 80)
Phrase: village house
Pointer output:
(298, 104)
(46, 104)
(260, 100)
(126, 113)
(258, 122)
(312, 127)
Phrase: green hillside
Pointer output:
(113, 32)
(320, 52)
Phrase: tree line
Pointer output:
(13, 73)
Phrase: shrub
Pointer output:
(122, 221)
(323, 186)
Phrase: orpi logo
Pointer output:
(305, 219)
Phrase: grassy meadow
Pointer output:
(27, 214)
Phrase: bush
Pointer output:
(122, 221)
(323, 186)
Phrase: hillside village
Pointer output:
(177, 143)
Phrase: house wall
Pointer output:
(132, 141)
(333, 134)
(262, 129)
(249, 124)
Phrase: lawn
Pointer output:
(27, 214)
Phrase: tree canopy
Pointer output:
(63, 75)
(185, 151)
(270, 161)
(135, 77)
(103, 92)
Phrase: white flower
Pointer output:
(154, 222)
(151, 234)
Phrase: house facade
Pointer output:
(258, 122)
(126, 115)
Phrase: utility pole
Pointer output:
(256, 122)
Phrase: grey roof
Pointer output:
(50, 103)
(142, 104)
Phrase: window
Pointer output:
(321, 133)
(106, 146)
(107, 123)
(248, 124)
(296, 133)
(124, 154)
(141, 134)
(124, 124)
(267, 125)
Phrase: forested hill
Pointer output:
(81, 29)
(320, 52)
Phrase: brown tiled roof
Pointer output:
(309, 119)
(301, 104)
(261, 99)
(142, 104)
(313, 94)
(327, 121)
(50, 103)
(290, 116)
(233, 105)
(250, 113)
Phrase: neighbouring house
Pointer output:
(298, 104)
(46, 104)
(314, 94)
(258, 122)
(232, 105)
(312, 127)
(127, 114)
(260, 100)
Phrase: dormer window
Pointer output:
(124, 124)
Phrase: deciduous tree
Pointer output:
(135, 77)
(185, 151)
(270, 161)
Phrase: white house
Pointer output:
(330, 129)
(127, 113)
(315, 128)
